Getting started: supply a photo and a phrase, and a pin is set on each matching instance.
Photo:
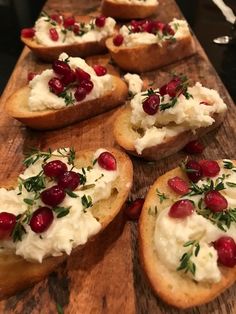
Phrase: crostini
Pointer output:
(158, 123)
(55, 34)
(147, 45)
(187, 232)
(129, 9)
(71, 91)
(62, 200)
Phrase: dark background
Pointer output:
(203, 16)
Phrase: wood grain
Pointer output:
(106, 276)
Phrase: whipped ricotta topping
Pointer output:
(135, 83)
(137, 2)
(186, 114)
(67, 36)
(67, 232)
(133, 39)
(41, 98)
(171, 234)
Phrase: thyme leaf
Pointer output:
(61, 211)
(86, 202)
(186, 263)
(162, 196)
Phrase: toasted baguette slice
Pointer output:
(125, 136)
(127, 11)
(16, 273)
(148, 57)
(174, 288)
(17, 107)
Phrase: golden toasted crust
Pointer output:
(172, 286)
(125, 136)
(127, 11)
(17, 273)
(142, 58)
(17, 107)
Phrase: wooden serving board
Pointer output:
(106, 277)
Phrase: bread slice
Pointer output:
(127, 11)
(175, 289)
(17, 107)
(125, 136)
(147, 57)
(16, 273)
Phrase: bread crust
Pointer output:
(172, 286)
(127, 11)
(125, 136)
(17, 107)
(17, 274)
(142, 58)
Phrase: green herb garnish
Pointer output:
(186, 263)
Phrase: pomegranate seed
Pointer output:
(150, 27)
(168, 30)
(99, 70)
(31, 75)
(215, 201)
(76, 29)
(118, 40)
(194, 147)
(193, 170)
(172, 87)
(56, 17)
(27, 32)
(80, 93)
(136, 26)
(100, 21)
(7, 224)
(160, 25)
(53, 34)
(69, 180)
(82, 75)
(87, 85)
(56, 86)
(61, 67)
(134, 209)
(53, 196)
(54, 168)
(178, 185)
(69, 21)
(210, 168)
(151, 104)
(226, 249)
(181, 209)
(68, 78)
(162, 90)
(41, 219)
(107, 161)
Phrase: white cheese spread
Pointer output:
(186, 114)
(171, 234)
(69, 231)
(67, 37)
(40, 97)
(135, 83)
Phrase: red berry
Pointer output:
(53, 34)
(68, 78)
(56, 86)
(118, 40)
(100, 21)
(99, 70)
(41, 219)
(148, 27)
(54, 168)
(210, 168)
(27, 32)
(193, 170)
(215, 201)
(162, 90)
(56, 17)
(136, 26)
(69, 21)
(181, 209)
(31, 75)
(178, 185)
(81, 75)
(53, 196)
(168, 30)
(69, 180)
(76, 29)
(7, 224)
(134, 209)
(172, 87)
(159, 25)
(194, 147)
(61, 67)
(80, 93)
(107, 161)
(87, 85)
(151, 104)
(226, 249)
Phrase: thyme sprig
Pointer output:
(186, 263)
(33, 184)
(86, 201)
(229, 165)
(210, 185)
(162, 196)
(19, 229)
